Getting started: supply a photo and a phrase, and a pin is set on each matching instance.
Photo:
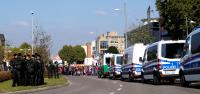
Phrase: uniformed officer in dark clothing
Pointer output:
(40, 70)
(23, 69)
(33, 70)
(15, 69)
(30, 71)
(50, 68)
(26, 75)
(56, 72)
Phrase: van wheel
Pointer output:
(130, 78)
(99, 76)
(121, 78)
(156, 80)
(113, 77)
(184, 83)
(104, 76)
(171, 81)
(110, 77)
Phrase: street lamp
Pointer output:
(186, 23)
(32, 28)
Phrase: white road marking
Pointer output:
(119, 89)
(121, 85)
(112, 93)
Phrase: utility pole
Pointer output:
(125, 26)
(32, 27)
(186, 23)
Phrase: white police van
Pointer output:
(131, 67)
(190, 63)
(161, 61)
(115, 67)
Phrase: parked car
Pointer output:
(131, 67)
(161, 61)
(190, 63)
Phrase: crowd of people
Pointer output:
(53, 69)
(27, 70)
(86, 70)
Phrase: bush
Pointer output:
(5, 75)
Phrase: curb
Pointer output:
(38, 89)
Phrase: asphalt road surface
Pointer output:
(94, 85)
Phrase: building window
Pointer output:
(103, 44)
(112, 41)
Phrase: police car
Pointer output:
(190, 63)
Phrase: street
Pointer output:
(94, 85)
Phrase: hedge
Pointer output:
(5, 75)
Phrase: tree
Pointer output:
(42, 44)
(72, 54)
(113, 50)
(25, 45)
(25, 48)
(67, 54)
(173, 16)
(15, 50)
(79, 53)
(1, 53)
(140, 35)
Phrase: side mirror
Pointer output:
(140, 59)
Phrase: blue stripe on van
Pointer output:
(189, 64)
(128, 68)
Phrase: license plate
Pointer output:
(169, 72)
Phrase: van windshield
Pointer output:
(119, 60)
(172, 50)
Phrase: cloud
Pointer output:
(100, 13)
(91, 33)
(117, 9)
(22, 23)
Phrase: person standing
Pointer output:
(40, 71)
(22, 69)
(31, 66)
(56, 70)
(15, 70)
(35, 69)
(50, 69)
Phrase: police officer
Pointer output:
(40, 71)
(56, 73)
(33, 70)
(23, 70)
(15, 69)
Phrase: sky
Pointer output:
(69, 22)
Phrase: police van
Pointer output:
(115, 67)
(161, 61)
(190, 63)
(104, 65)
(131, 67)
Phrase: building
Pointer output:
(154, 27)
(157, 32)
(2, 40)
(90, 50)
(104, 41)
